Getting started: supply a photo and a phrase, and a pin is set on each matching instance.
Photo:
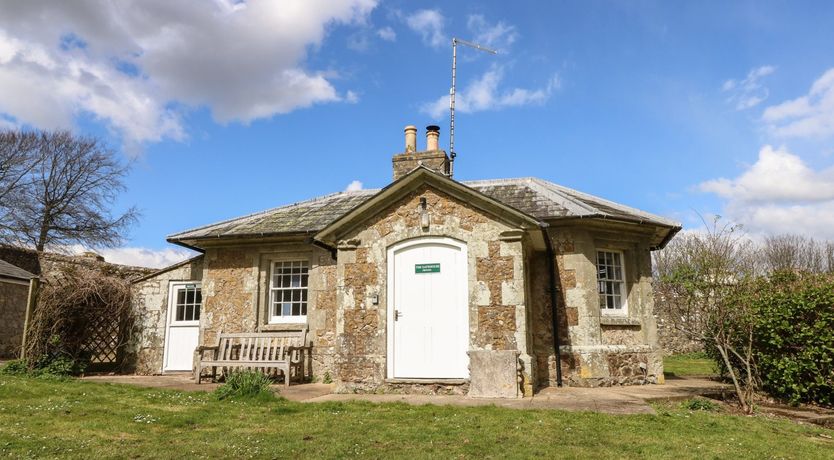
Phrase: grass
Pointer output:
(75, 419)
(689, 364)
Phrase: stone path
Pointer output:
(613, 400)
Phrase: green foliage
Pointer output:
(327, 378)
(794, 337)
(59, 366)
(56, 367)
(245, 384)
(15, 367)
(699, 404)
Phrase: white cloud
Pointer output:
(131, 63)
(809, 116)
(387, 34)
(484, 94)
(749, 92)
(779, 194)
(351, 97)
(498, 36)
(139, 257)
(354, 186)
(429, 24)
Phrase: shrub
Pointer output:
(794, 337)
(46, 367)
(15, 367)
(699, 404)
(58, 366)
(73, 309)
(245, 384)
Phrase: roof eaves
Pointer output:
(188, 234)
(646, 216)
(166, 269)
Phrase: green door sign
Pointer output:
(426, 268)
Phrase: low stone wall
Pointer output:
(13, 298)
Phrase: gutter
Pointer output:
(551, 265)
(313, 241)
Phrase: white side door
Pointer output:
(183, 331)
(428, 317)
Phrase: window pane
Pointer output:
(289, 287)
(197, 313)
(199, 297)
(181, 296)
(304, 308)
(189, 295)
(180, 312)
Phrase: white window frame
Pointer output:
(174, 287)
(623, 310)
(289, 319)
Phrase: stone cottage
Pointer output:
(426, 285)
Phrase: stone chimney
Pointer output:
(432, 157)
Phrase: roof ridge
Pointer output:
(246, 217)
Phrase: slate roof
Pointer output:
(8, 270)
(538, 198)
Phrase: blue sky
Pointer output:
(226, 108)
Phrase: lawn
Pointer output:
(689, 364)
(41, 418)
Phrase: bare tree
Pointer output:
(17, 158)
(796, 253)
(702, 281)
(66, 193)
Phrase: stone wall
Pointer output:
(236, 295)
(149, 299)
(496, 271)
(13, 298)
(596, 349)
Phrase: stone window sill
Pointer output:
(283, 327)
(618, 321)
(428, 381)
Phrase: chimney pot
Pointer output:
(432, 135)
(410, 138)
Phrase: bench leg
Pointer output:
(197, 371)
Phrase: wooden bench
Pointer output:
(285, 351)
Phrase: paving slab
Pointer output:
(612, 400)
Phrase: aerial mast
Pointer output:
(455, 42)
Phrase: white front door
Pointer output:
(184, 304)
(428, 326)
